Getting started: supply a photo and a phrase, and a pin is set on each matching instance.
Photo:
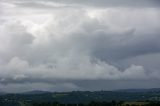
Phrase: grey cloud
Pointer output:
(88, 3)
(115, 3)
(114, 85)
(21, 87)
(70, 47)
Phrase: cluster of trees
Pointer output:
(93, 103)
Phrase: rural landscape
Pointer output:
(129, 97)
(79, 52)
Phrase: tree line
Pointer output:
(93, 103)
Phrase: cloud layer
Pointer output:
(63, 44)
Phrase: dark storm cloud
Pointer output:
(114, 3)
(89, 3)
(147, 44)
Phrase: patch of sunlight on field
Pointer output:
(135, 103)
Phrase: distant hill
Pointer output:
(3, 93)
(36, 92)
(140, 90)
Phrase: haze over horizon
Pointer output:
(68, 45)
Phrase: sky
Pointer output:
(70, 45)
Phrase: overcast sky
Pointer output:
(65, 45)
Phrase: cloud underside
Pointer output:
(75, 42)
(90, 3)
